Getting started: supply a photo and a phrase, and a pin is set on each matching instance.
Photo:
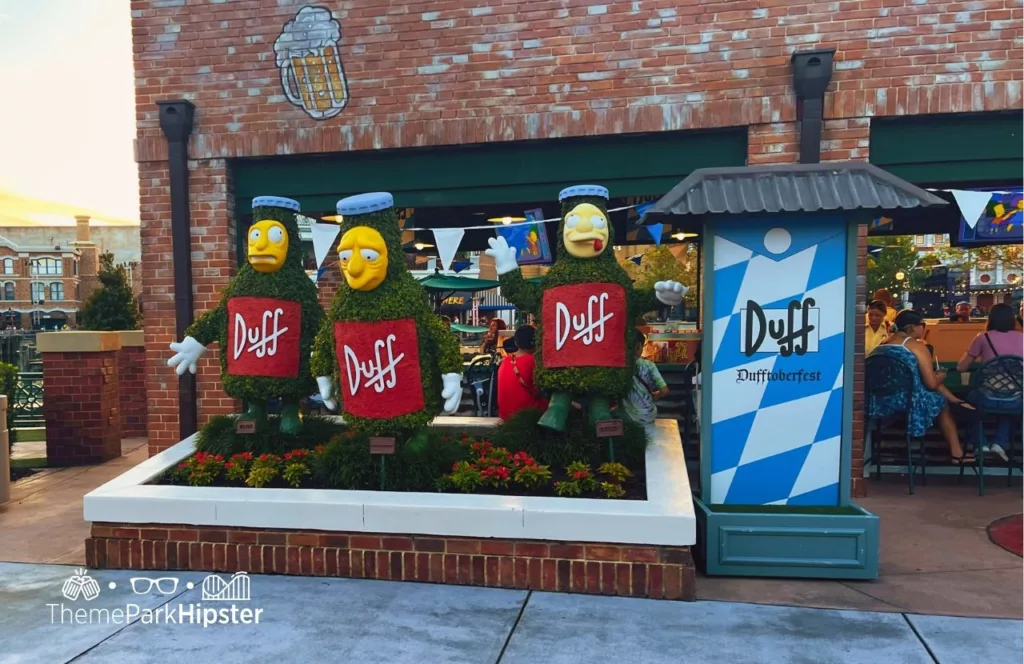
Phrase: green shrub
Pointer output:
(9, 378)
(219, 437)
(112, 306)
(579, 443)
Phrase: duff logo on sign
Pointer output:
(263, 337)
(380, 368)
(584, 326)
(777, 331)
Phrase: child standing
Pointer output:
(648, 386)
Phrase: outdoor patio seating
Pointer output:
(997, 387)
(885, 376)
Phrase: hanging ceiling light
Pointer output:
(506, 220)
(420, 246)
(683, 236)
(333, 218)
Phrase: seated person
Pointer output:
(490, 342)
(648, 387)
(962, 313)
(885, 297)
(1000, 338)
(876, 329)
(931, 399)
(516, 389)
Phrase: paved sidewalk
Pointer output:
(342, 620)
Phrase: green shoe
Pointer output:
(291, 424)
(257, 412)
(419, 441)
(557, 413)
(599, 410)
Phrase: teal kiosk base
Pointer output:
(781, 319)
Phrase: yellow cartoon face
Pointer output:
(363, 255)
(585, 231)
(268, 245)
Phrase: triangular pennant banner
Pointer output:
(323, 238)
(655, 232)
(447, 241)
(637, 259)
(643, 208)
(972, 204)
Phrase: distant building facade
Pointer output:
(46, 273)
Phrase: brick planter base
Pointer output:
(659, 572)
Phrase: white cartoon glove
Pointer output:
(326, 387)
(186, 354)
(670, 293)
(504, 256)
(451, 392)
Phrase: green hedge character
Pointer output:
(586, 305)
(395, 362)
(266, 321)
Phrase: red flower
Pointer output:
(287, 455)
(228, 465)
(580, 474)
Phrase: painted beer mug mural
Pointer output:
(266, 321)
(382, 353)
(309, 58)
(586, 303)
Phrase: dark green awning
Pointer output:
(444, 282)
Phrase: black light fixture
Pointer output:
(812, 72)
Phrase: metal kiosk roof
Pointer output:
(848, 186)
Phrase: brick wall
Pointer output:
(435, 73)
(637, 571)
(131, 378)
(83, 423)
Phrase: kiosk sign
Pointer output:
(778, 340)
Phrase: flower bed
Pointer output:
(530, 461)
(627, 547)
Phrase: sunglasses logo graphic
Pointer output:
(165, 585)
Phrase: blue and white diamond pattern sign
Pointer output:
(779, 309)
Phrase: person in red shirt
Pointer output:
(516, 389)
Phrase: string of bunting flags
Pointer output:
(447, 240)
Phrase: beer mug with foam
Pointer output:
(315, 81)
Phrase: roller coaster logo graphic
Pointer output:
(236, 589)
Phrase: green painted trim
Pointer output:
(846, 442)
(707, 356)
(505, 172)
(789, 545)
(949, 149)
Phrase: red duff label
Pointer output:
(380, 368)
(584, 326)
(263, 337)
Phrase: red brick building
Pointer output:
(466, 106)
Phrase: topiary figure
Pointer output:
(396, 363)
(586, 304)
(266, 321)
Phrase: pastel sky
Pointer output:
(67, 111)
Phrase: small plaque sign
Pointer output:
(382, 446)
(609, 428)
(245, 427)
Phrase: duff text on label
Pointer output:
(380, 372)
(261, 340)
(588, 327)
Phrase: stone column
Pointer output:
(81, 396)
(131, 378)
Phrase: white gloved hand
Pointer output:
(670, 293)
(504, 256)
(186, 354)
(326, 388)
(451, 392)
